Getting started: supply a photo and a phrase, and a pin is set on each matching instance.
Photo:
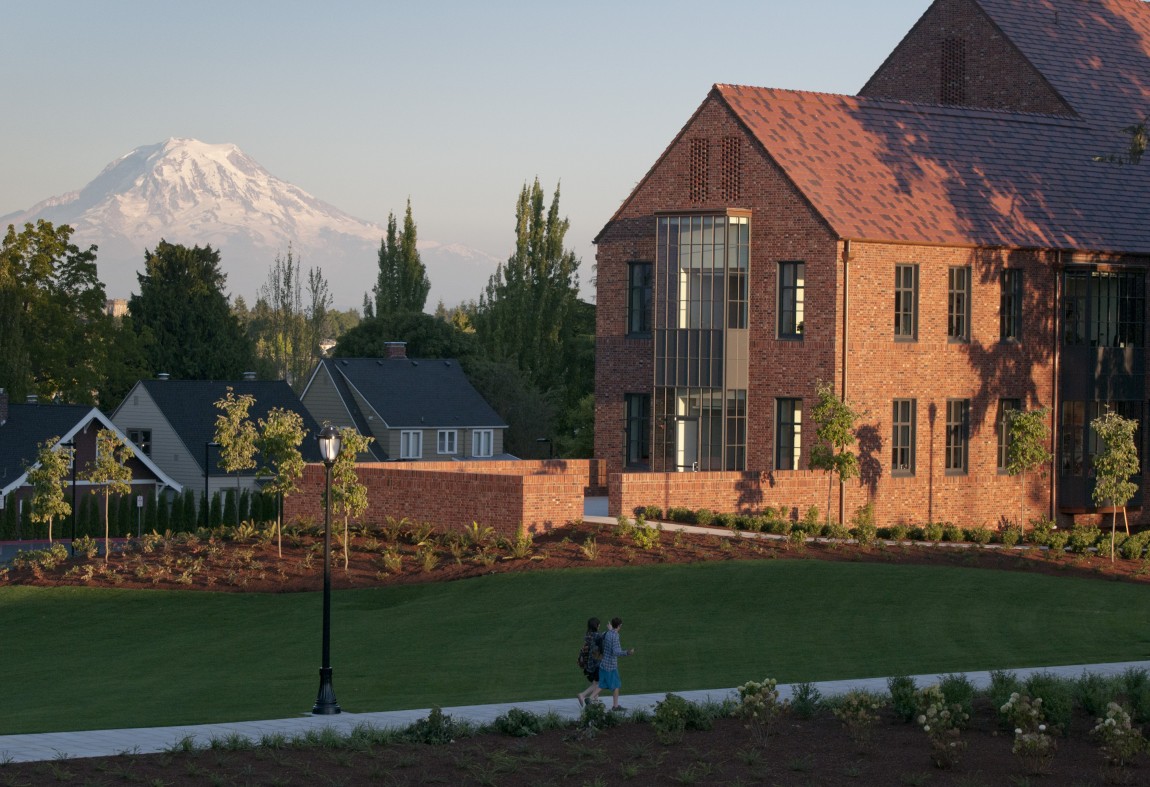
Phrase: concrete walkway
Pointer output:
(151, 740)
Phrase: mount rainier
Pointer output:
(195, 193)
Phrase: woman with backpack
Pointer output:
(609, 664)
(589, 656)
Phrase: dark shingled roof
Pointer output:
(417, 392)
(189, 406)
(28, 426)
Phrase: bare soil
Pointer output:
(816, 751)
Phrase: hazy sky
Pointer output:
(454, 104)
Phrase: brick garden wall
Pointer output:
(792, 492)
(451, 495)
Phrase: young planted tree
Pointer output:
(47, 480)
(1114, 466)
(834, 435)
(349, 496)
(280, 437)
(1027, 438)
(110, 473)
(236, 434)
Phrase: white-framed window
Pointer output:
(482, 441)
(447, 441)
(411, 444)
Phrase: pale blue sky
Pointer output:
(453, 103)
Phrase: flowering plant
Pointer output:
(858, 712)
(1033, 743)
(759, 706)
(1120, 741)
(942, 724)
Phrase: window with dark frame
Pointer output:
(1079, 442)
(1010, 306)
(1103, 308)
(1002, 428)
(788, 433)
(639, 298)
(905, 302)
(791, 296)
(958, 304)
(957, 435)
(638, 429)
(902, 437)
(142, 438)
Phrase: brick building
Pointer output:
(966, 236)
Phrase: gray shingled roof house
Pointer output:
(415, 408)
(24, 427)
(174, 421)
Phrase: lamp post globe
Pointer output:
(325, 703)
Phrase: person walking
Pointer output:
(609, 664)
(589, 656)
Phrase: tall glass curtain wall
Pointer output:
(700, 324)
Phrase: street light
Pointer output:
(207, 471)
(325, 704)
(72, 444)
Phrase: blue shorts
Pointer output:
(609, 679)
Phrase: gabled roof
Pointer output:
(189, 407)
(1093, 52)
(416, 393)
(894, 171)
(30, 425)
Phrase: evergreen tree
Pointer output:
(183, 317)
(401, 284)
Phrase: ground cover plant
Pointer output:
(680, 742)
(405, 640)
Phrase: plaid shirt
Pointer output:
(612, 650)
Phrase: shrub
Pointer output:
(1057, 695)
(595, 717)
(86, 546)
(811, 519)
(518, 723)
(1082, 539)
(958, 690)
(780, 527)
(836, 531)
(953, 533)
(942, 722)
(704, 516)
(724, 520)
(1002, 685)
(865, 534)
(978, 535)
(1056, 541)
(899, 532)
(1136, 684)
(435, 728)
(1010, 535)
(684, 515)
(806, 700)
(1041, 530)
(1134, 547)
(646, 537)
(933, 531)
(653, 512)
(759, 706)
(858, 711)
(1032, 741)
(916, 534)
(47, 558)
(1119, 740)
(1094, 693)
(673, 715)
(902, 696)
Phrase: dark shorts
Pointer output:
(592, 676)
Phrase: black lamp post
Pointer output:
(207, 472)
(72, 445)
(325, 704)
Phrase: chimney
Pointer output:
(3, 407)
(162, 376)
(249, 376)
(396, 349)
(33, 399)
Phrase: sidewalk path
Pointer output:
(151, 740)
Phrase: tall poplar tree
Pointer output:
(401, 284)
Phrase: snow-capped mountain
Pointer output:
(192, 192)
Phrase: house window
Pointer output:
(1103, 308)
(447, 441)
(1005, 407)
(902, 437)
(411, 444)
(1080, 443)
(957, 435)
(788, 433)
(142, 439)
(1010, 307)
(638, 407)
(639, 299)
(482, 441)
(958, 304)
(791, 279)
(906, 302)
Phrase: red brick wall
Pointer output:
(452, 495)
(997, 75)
(793, 492)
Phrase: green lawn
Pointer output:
(79, 658)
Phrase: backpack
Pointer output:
(591, 653)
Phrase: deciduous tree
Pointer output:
(236, 434)
(1114, 466)
(280, 436)
(349, 495)
(110, 472)
(1026, 450)
(834, 435)
(47, 480)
